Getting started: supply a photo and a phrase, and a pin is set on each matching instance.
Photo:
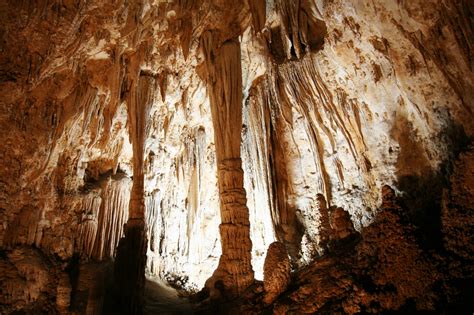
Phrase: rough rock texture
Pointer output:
(457, 226)
(26, 281)
(225, 85)
(325, 226)
(107, 113)
(89, 288)
(276, 271)
(457, 217)
(341, 224)
(381, 270)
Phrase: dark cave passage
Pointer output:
(160, 298)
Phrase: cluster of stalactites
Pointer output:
(103, 217)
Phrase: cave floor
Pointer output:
(161, 299)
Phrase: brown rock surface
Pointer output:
(341, 224)
(381, 272)
(276, 272)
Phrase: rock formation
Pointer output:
(325, 226)
(381, 268)
(225, 89)
(341, 224)
(131, 252)
(276, 272)
(179, 139)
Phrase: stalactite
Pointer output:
(341, 97)
(89, 224)
(257, 160)
(289, 15)
(258, 11)
(183, 218)
(156, 233)
(186, 10)
(110, 219)
(104, 211)
(225, 89)
(299, 30)
(24, 228)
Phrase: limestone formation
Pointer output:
(103, 214)
(386, 266)
(341, 224)
(276, 272)
(457, 210)
(180, 138)
(63, 294)
(129, 268)
(325, 228)
(87, 234)
(225, 88)
(457, 224)
(131, 251)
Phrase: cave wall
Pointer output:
(340, 98)
(385, 99)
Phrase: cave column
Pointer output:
(131, 252)
(224, 71)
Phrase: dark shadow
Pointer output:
(162, 299)
(316, 32)
(422, 187)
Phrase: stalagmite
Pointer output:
(225, 88)
(341, 224)
(277, 270)
(324, 224)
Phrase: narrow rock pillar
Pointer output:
(234, 273)
(131, 253)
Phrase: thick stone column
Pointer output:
(234, 273)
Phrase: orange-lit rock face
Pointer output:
(277, 270)
(338, 99)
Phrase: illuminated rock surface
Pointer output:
(141, 112)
